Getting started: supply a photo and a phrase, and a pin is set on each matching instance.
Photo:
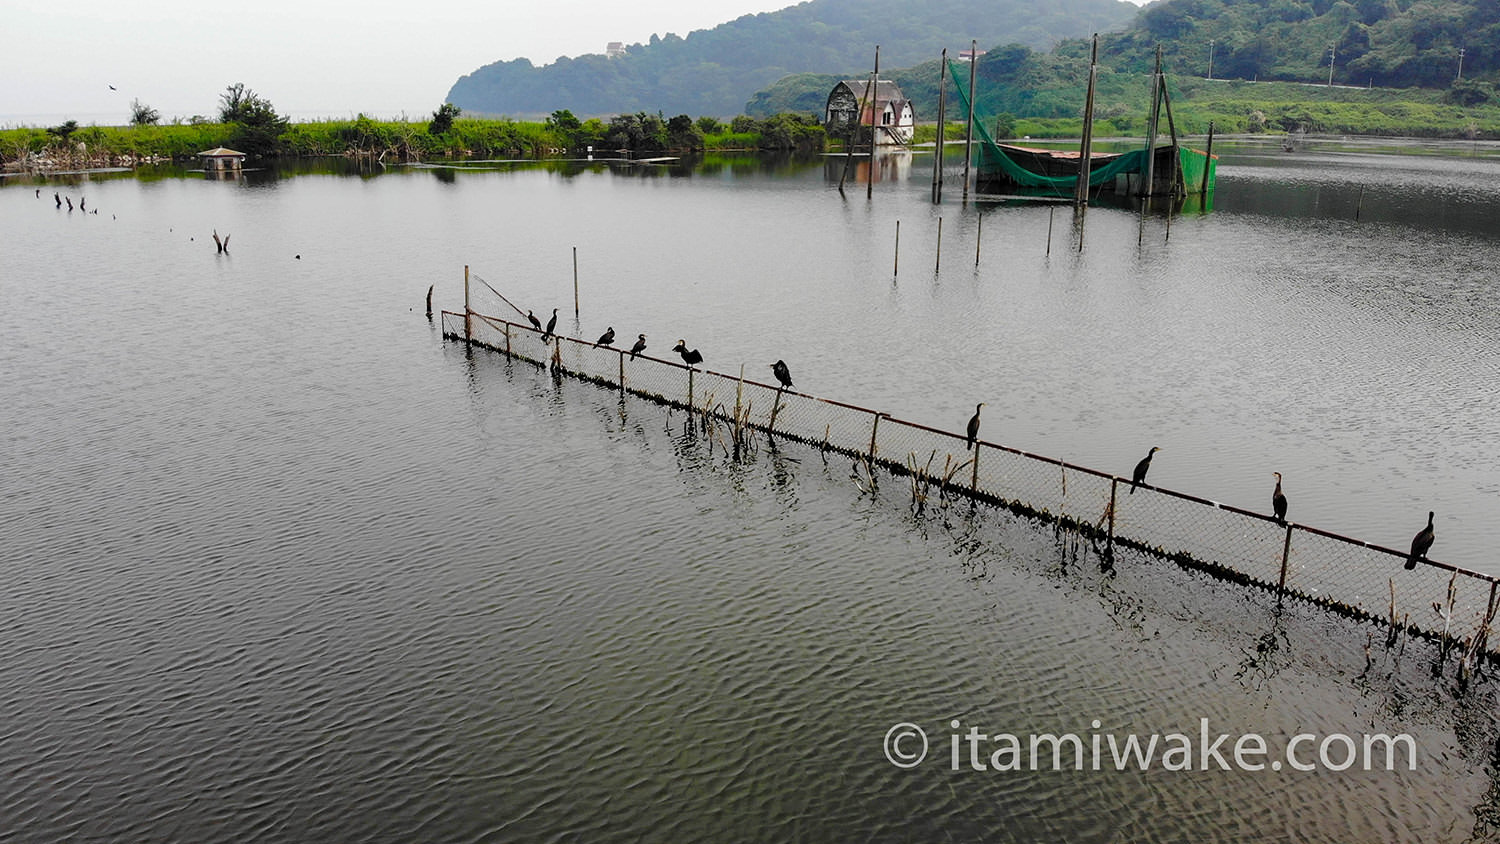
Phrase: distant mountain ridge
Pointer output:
(715, 71)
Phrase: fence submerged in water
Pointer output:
(1452, 605)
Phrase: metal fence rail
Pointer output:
(1454, 605)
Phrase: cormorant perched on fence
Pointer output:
(1278, 501)
(782, 374)
(974, 427)
(607, 337)
(551, 324)
(1421, 543)
(689, 356)
(1141, 468)
(535, 323)
(640, 346)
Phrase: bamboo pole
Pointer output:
(942, 116)
(854, 129)
(468, 311)
(1149, 187)
(969, 131)
(575, 282)
(1081, 193)
(1178, 188)
(429, 301)
(978, 234)
(875, 77)
(1208, 160)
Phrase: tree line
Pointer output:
(249, 123)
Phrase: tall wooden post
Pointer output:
(969, 132)
(575, 282)
(1081, 194)
(1149, 187)
(859, 116)
(870, 182)
(942, 121)
(1208, 160)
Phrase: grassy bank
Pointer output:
(96, 146)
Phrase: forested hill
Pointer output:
(1385, 43)
(715, 71)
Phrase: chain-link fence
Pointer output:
(1367, 581)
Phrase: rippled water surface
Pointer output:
(283, 565)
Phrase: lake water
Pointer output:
(283, 565)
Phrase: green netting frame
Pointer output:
(993, 158)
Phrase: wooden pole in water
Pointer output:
(1149, 187)
(896, 267)
(575, 282)
(1178, 186)
(978, 235)
(875, 77)
(429, 301)
(468, 312)
(1357, 206)
(937, 159)
(1051, 211)
(1086, 147)
(938, 264)
(969, 132)
(1208, 160)
(854, 128)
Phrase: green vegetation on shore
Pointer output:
(98, 146)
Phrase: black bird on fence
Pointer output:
(1421, 543)
(607, 337)
(640, 346)
(974, 427)
(1278, 501)
(535, 323)
(551, 324)
(782, 374)
(1141, 468)
(691, 357)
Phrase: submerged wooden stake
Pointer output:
(978, 232)
(938, 264)
(896, 267)
(575, 282)
(429, 300)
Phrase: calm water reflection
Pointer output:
(282, 565)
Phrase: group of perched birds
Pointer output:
(691, 357)
(1420, 544)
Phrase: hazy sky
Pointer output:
(310, 58)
